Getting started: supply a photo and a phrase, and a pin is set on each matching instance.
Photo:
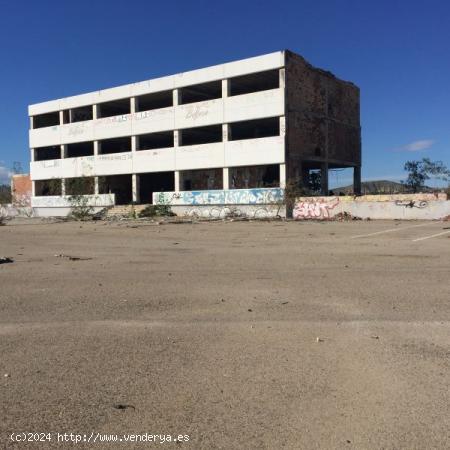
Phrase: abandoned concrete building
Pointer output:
(253, 123)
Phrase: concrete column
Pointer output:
(324, 178)
(175, 97)
(226, 178)
(135, 188)
(357, 180)
(133, 102)
(282, 176)
(61, 117)
(282, 78)
(94, 112)
(33, 188)
(225, 132)
(177, 181)
(63, 186)
(31, 122)
(32, 154)
(96, 148)
(282, 126)
(224, 88)
(134, 141)
(63, 151)
(96, 191)
(176, 138)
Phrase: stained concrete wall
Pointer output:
(402, 207)
(322, 117)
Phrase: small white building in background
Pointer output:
(246, 124)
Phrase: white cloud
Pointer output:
(416, 146)
(5, 175)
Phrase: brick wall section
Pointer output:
(21, 190)
(322, 118)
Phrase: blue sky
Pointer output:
(397, 52)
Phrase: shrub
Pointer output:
(156, 210)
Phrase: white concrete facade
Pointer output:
(226, 110)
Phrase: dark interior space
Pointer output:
(201, 135)
(46, 120)
(201, 180)
(120, 185)
(79, 186)
(200, 92)
(152, 141)
(115, 145)
(113, 108)
(155, 182)
(78, 114)
(46, 153)
(254, 82)
(254, 176)
(156, 100)
(80, 149)
(45, 188)
(252, 129)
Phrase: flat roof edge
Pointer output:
(209, 73)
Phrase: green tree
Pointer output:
(421, 171)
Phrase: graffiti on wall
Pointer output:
(412, 203)
(222, 212)
(316, 208)
(260, 196)
(99, 200)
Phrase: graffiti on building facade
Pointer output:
(260, 196)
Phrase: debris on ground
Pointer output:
(122, 406)
(318, 339)
(344, 216)
(73, 258)
(375, 337)
(7, 375)
(5, 260)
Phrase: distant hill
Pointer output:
(378, 187)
